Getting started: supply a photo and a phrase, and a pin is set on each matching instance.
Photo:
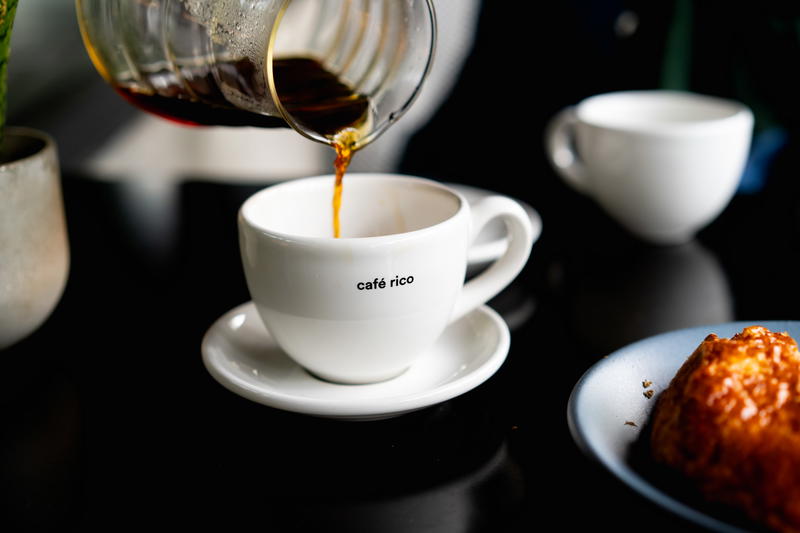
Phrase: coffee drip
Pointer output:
(315, 98)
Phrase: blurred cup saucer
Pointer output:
(493, 240)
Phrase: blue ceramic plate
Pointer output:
(609, 399)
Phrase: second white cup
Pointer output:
(362, 308)
(662, 163)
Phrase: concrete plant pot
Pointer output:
(34, 251)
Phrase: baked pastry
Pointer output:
(730, 422)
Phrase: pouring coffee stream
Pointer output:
(338, 73)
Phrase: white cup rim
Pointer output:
(720, 112)
(349, 179)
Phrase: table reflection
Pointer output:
(623, 295)
(428, 471)
(41, 475)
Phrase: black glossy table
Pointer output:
(110, 421)
(110, 418)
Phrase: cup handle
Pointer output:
(502, 272)
(560, 149)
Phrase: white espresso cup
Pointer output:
(662, 163)
(362, 308)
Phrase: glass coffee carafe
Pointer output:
(326, 68)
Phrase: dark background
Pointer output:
(109, 418)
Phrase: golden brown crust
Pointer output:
(730, 421)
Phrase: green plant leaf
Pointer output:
(8, 10)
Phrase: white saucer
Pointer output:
(493, 240)
(240, 353)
